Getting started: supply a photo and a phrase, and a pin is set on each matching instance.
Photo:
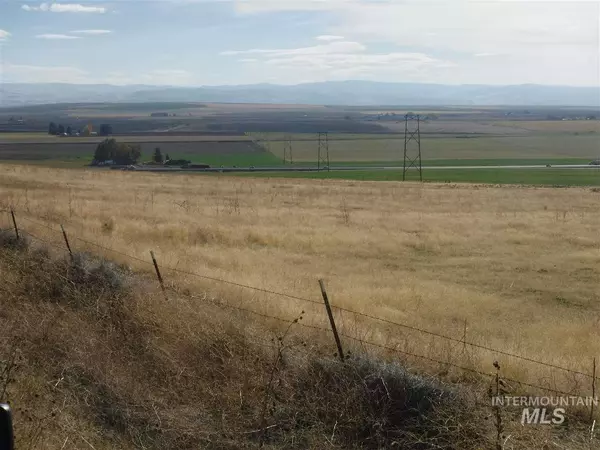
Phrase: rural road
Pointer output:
(355, 168)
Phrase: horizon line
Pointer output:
(191, 86)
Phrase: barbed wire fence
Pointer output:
(555, 375)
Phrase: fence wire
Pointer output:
(315, 302)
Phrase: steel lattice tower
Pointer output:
(262, 139)
(412, 145)
(267, 141)
(288, 157)
(323, 154)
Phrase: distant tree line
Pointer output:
(122, 154)
(59, 129)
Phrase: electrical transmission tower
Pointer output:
(262, 140)
(412, 145)
(266, 141)
(288, 157)
(323, 154)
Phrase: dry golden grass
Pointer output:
(92, 356)
(122, 368)
(519, 265)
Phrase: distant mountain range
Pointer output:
(359, 93)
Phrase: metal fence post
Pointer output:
(67, 241)
(12, 213)
(158, 275)
(331, 320)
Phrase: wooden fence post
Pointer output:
(12, 213)
(158, 275)
(331, 320)
(593, 389)
(66, 241)
(465, 337)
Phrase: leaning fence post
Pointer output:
(593, 389)
(158, 275)
(66, 241)
(12, 213)
(331, 320)
(465, 337)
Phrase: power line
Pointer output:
(471, 344)
(184, 272)
(466, 369)
(362, 341)
(51, 244)
(393, 349)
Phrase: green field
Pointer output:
(551, 147)
(456, 137)
(68, 153)
(447, 162)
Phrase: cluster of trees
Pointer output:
(120, 153)
(105, 129)
(54, 129)
(157, 157)
(123, 154)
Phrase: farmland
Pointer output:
(438, 280)
(374, 148)
(342, 148)
(255, 135)
(78, 151)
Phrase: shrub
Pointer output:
(373, 404)
(8, 240)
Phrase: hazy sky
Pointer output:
(211, 42)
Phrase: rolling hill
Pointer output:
(365, 93)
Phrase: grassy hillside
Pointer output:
(93, 357)
(474, 268)
(398, 251)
